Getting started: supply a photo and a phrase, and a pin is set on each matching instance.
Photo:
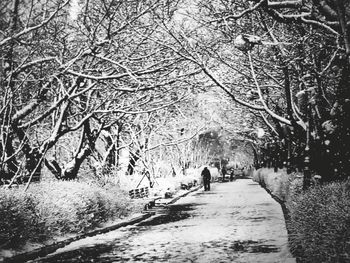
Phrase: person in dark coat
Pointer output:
(206, 178)
(223, 171)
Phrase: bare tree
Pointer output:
(76, 68)
(288, 59)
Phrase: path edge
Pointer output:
(48, 249)
(286, 215)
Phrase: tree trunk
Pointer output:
(110, 160)
(33, 156)
(33, 165)
(340, 142)
(117, 161)
(71, 169)
(132, 162)
(9, 168)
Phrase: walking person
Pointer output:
(223, 172)
(206, 178)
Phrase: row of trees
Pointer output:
(75, 72)
(287, 61)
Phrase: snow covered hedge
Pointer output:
(57, 208)
(319, 219)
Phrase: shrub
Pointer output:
(319, 219)
(20, 219)
(320, 223)
(72, 206)
(56, 208)
(279, 183)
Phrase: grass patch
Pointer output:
(51, 209)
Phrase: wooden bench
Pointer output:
(139, 192)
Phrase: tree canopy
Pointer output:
(130, 73)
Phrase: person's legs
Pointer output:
(205, 185)
(208, 186)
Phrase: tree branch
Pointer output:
(227, 90)
(30, 29)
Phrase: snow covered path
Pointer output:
(234, 222)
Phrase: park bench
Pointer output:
(143, 193)
(139, 192)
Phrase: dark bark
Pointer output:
(54, 168)
(71, 169)
(8, 168)
(33, 156)
(110, 148)
(86, 147)
(256, 157)
(120, 127)
(288, 93)
(134, 157)
(340, 140)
